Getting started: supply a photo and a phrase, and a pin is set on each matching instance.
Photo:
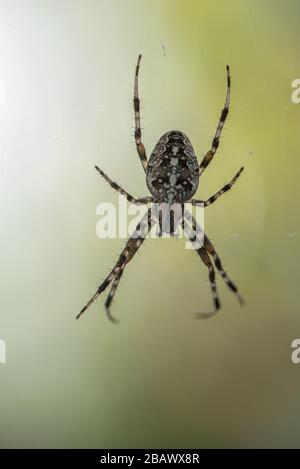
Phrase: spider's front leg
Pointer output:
(194, 234)
(216, 140)
(114, 185)
(217, 261)
(197, 243)
(214, 197)
(132, 246)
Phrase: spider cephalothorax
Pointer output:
(172, 170)
(172, 176)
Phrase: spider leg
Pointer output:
(112, 294)
(216, 258)
(137, 117)
(211, 275)
(114, 185)
(217, 261)
(216, 140)
(204, 256)
(132, 246)
(214, 197)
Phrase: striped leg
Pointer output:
(203, 254)
(216, 140)
(214, 197)
(217, 261)
(211, 275)
(112, 293)
(208, 246)
(137, 117)
(114, 185)
(127, 254)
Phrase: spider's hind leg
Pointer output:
(216, 140)
(137, 118)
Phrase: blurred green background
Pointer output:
(159, 378)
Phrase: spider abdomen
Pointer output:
(173, 170)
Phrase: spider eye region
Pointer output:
(173, 170)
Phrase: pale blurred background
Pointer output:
(160, 378)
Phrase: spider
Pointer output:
(172, 176)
